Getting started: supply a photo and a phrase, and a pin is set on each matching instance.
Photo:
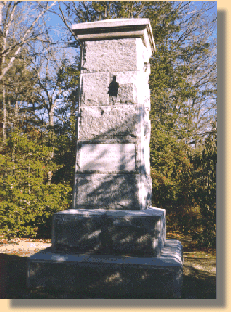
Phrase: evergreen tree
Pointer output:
(27, 200)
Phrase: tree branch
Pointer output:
(23, 40)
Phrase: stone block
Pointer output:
(127, 86)
(109, 121)
(94, 89)
(121, 232)
(126, 191)
(134, 233)
(126, 93)
(76, 230)
(143, 56)
(146, 186)
(131, 121)
(107, 190)
(107, 157)
(108, 276)
(109, 55)
(132, 88)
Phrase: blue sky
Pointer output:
(60, 36)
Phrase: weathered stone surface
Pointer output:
(109, 55)
(94, 88)
(144, 144)
(132, 88)
(146, 190)
(114, 105)
(109, 121)
(107, 276)
(126, 93)
(117, 28)
(109, 191)
(143, 55)
(143, 92)
(107, 157)
(112, 191)
(109, 231)
(76, 230)
(134, 232)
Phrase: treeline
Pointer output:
(39, 98)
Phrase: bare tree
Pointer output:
(18, 26)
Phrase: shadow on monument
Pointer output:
(116, 187)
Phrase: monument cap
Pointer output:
(116, 28)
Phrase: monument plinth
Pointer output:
(112, 232)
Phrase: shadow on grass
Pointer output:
(13, 277)
(198, 285)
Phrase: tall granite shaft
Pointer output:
(112, 169)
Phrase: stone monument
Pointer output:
(112, 236)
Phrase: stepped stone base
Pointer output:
(123, 232)
(110, 276)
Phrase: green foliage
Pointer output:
(184, 183)
(27, 200)
(203, 188)
(65, 156)
(169, 167)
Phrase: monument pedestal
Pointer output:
(123, 232)
(109, 254)
(109, 276)
(112, 244)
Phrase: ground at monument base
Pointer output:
(199, 272)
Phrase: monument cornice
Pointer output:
(116, 28)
